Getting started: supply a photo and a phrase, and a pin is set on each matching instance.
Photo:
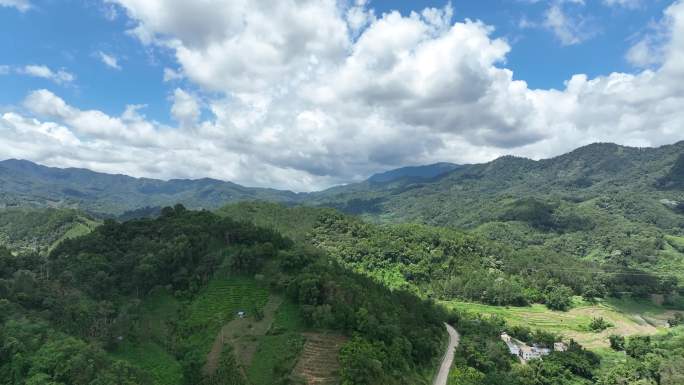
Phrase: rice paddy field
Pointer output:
(626, 316)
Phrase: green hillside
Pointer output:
(26, 184)
(508, 245)
(158, 300)
(39, 230)
(617, 206)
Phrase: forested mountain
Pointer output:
(38, 230)
(454, 264)
(147, 302)
(414, 173)
(23, 183)
(472, 194)
(143, 302)
(440, 194)
(620, 207)
(611, 204)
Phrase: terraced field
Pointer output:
(627, 317)
(223, 298)
(319, 363)
(671, 258)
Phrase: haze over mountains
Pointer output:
(432, 190)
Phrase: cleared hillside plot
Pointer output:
(274, 357)
(319, 362)
(627, 317)
(671, 257)
(162, 366)
(219, 303)
(243, 334)
(149, 353)
(224, 297)
(206, 314)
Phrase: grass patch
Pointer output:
(83, 227)
(288, 317)
(628, 317)
(671, 257)
(609, 359)
(152, 358)
(676, 242)
(275, 357)
(157, 310)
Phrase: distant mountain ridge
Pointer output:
(27, 184)
(588, 171)
(440, 193)
(414, 172)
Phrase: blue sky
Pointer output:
(250, 77)
(69, 34)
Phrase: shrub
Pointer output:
(598, 324)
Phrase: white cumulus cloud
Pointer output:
(185, 108)
(59, 76)
(21, 5)
(568, 29)
(109, 60)
(630, 4)
(304, 94)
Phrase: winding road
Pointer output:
(443, 374)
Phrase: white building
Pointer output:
(559, 347)
(518, 348)
(542, 351)
(529, 353)
(512, 346)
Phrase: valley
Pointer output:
(627, 317)
(354, 284)
(342, 192)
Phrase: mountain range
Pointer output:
(572, 235)
(435, 194)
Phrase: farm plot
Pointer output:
(627, 318)
(319, 363)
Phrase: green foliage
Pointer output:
(651, 361)
(227, 373)
(674, 179)
(439, 262)
(33, 353)
(181, 248)
(559, 298)
(617, 342)
(596, 204)
(162, 367)
(533, 211)
(38, 230)
(599, 324)
(221, 299)
(361, 362)
(676, 320)
(275, 357)
(156, 292)
(638, 346)
(28, 184)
